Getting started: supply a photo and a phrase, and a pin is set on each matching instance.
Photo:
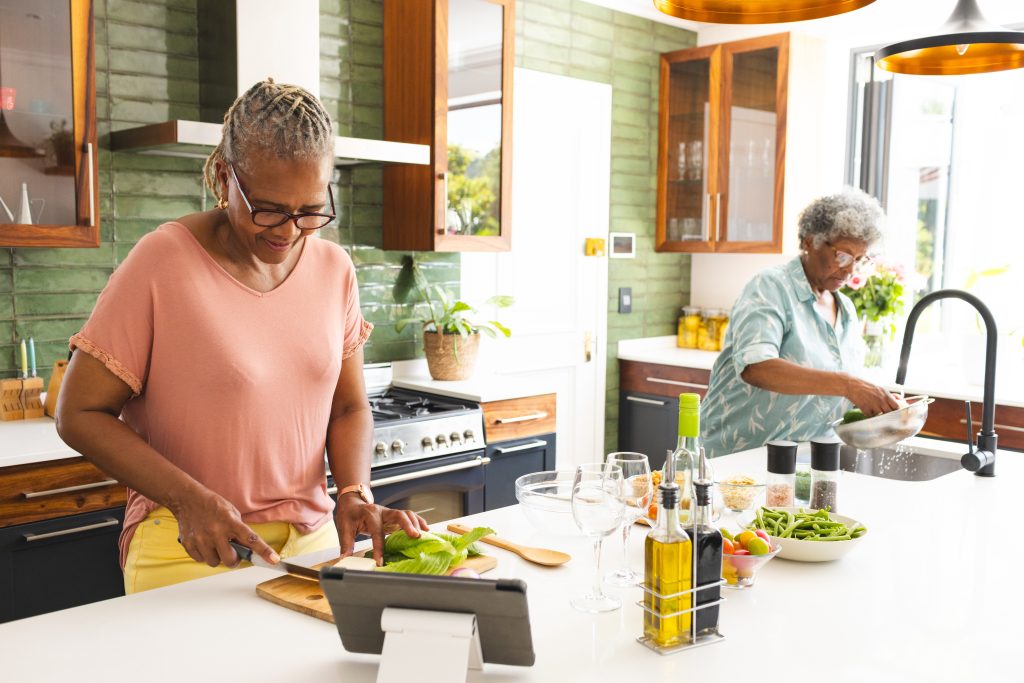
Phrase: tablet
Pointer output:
(357, 599)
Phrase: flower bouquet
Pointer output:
(877, 293)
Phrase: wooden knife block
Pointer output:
(53, 390)
(30, 390)
(11, 406)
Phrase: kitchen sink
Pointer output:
(902, 464)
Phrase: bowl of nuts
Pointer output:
(740, 492)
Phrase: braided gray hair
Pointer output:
(285, 120)
(851, 213)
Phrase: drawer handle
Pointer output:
(68, 489)
(677, 383)
(443, 469)
(539, 415)
(67, 532)
(1011, 428)
(650, 401)
(521, 447)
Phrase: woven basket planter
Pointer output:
(450, 356)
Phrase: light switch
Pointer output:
(625, 299)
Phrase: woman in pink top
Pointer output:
(229, 344)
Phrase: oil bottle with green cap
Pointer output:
(687, 451)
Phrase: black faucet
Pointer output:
(981, 461)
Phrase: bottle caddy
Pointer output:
(682, 578)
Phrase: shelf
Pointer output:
(59, 170)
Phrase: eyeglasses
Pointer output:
(271, 218)
(845, 260)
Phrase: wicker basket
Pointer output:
(450, 356)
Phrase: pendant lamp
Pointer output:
(756, 11)
(10, 145)
(966, 44)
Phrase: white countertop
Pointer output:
(28, 441)
(947, 381)
(483, 387)
(931, 595)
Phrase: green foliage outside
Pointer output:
(473, 190)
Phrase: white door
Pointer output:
(561, 158)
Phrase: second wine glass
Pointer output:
(636, 493)
(597, 510)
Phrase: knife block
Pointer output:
(53, 388)
(30, 390)
(11, 407)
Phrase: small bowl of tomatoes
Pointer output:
(744, 554)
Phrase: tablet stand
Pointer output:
(443, 645)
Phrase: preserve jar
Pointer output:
(689, 325)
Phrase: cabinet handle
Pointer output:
(92, 188)
(676, 383)
(521, 447)
(1010, 428)
(539, 415)
(67, 532)
(69, 489)
(444, 469)
(718, 216)
(706, 228)
(444, 205)
(652, 402)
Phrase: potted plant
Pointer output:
(877, 294)
(450, 337)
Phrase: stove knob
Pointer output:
(380, 449)
(441, 440)
(468, 435)
(427, 443)
(456, 438)
(398, 446)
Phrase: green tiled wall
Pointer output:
(577, 39)
(147, 70)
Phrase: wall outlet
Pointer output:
(625, 299)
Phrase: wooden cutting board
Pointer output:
(306, 597)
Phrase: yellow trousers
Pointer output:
(156, 559)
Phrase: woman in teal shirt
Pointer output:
(793, 338)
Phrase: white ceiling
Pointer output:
(882, 21)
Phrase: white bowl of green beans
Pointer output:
(808, 535)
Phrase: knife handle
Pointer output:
(244, 554)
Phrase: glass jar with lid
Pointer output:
(715, 320)
(689, 325)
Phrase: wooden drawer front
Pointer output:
(519, 417)
(947, 419)
(662, 380)
(29, 493)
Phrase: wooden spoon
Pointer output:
(548, 558)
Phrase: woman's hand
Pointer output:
(353, 516)
(870, 398)
(206, 522)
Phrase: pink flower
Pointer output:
(856, 281)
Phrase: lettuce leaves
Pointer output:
(431, 553)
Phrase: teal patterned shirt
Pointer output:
(775, 317)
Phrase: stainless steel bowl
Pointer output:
(888, 429)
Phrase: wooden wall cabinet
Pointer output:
(448, 84)
(722, 147)
(48, 125)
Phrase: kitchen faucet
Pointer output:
(980, 460)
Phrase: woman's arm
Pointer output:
(785, 377)
(349, 441)
(88, 409)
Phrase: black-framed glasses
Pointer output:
(845, 260)
(271, 218)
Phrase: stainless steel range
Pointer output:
(409, 425)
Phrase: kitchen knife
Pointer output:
(247, 555)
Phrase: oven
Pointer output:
(429, 453)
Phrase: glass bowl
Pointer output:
(740, 496)
(546, 500)
(739, 570)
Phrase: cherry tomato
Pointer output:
(764, 536)
(741, 551)
(744, 538)
(727, 546)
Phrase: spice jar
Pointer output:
(781, 480)
(714, 323)
(689, 325)
(824, 474)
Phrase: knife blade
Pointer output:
(247, 555)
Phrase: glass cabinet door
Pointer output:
(684, 168)
(754, 119)
(47, 142)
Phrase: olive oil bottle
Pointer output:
(668, 570)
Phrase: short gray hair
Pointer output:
(851, 213)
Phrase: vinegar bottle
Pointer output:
(708, 548)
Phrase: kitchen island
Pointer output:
(931, 594)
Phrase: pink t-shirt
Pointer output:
(232, 385)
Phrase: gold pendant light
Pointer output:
(966, 44)
(756, 11)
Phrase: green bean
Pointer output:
(808, 526)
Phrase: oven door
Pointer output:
(438, 489)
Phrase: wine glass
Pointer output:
(636, 493)
(597, 510)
